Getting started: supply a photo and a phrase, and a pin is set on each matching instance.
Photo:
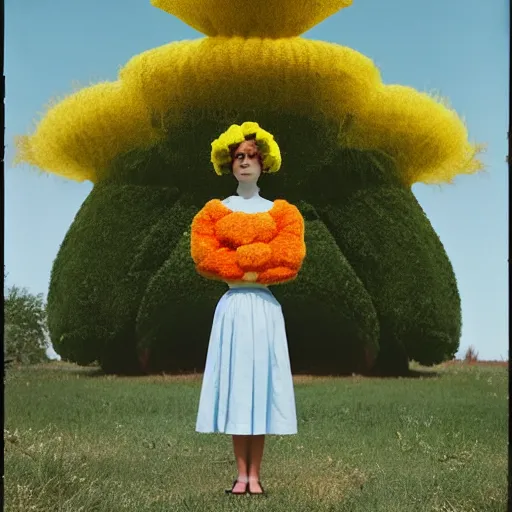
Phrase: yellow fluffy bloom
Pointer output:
(336, 86)
(291, 74)
(425, 137)
(247, 18)
(79, 137)
(235, 135)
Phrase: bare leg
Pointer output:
(255, 456)
(241, 448)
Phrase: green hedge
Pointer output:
(376, 282)
(183, 159)
(331, 323)
(387, 238)
(92, 302)
(177, 310)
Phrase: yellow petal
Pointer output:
(248, 18)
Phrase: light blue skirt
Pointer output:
(247, 385)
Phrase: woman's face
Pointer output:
(246, 162)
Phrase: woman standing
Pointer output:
(250, 243)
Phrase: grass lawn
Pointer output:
(76, 440)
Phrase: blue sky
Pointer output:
(457, 47)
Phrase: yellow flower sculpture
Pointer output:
(246, 18)
(376, 288)
(80, 137)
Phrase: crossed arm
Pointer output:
(212, 260)
(288, 248)
(268, 263)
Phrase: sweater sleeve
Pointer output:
(288, 247)
(212, 260)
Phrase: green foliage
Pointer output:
(24, 326)
(391, 245)
(92, 301)
(183, 159)
(331, 323)
(176, 313)
(376, 281)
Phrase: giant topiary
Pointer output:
(376, 286)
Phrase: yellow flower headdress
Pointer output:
(234, 136)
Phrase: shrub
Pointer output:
(93, 301)
(24, 326)
(471, 355)
(376, 282)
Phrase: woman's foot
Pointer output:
(254, 486)
(239, 486)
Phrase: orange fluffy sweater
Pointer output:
(238, 247)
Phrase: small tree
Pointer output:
(471, 355)
(24, 326)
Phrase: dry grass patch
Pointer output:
(324, 484)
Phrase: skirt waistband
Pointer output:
(254, 289)
(257, 286)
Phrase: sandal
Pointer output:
(255, 493)
(242, 480)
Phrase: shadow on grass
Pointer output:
(71, 368)
(410, 374)
(417, 374)
(96, 371)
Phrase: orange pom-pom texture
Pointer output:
(236, 247)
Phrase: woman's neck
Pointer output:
(247, 190)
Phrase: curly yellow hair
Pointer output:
(236, 134)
